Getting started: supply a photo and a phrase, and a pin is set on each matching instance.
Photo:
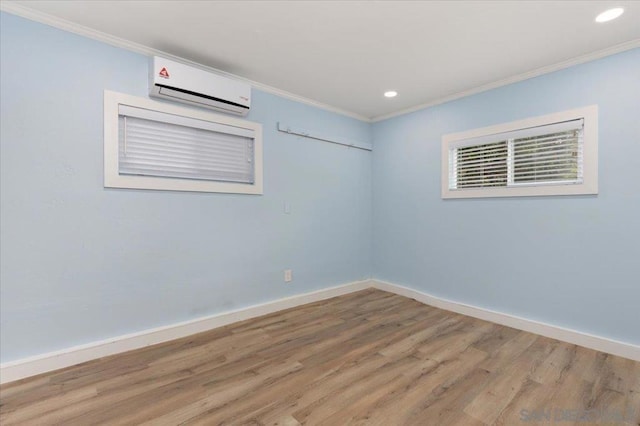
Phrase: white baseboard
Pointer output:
(626, 350)
(27, 367)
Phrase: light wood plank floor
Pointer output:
(369, 358)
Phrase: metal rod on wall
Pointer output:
(287, 129)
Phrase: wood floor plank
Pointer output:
(421, 389)
(557, 362)
(365, 358)
(324, 379)
(507, 382)
(320, 411)
(509, 351)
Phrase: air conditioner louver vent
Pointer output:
(181, 83)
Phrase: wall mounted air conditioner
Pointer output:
(182, 83)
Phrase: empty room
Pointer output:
(319, 212)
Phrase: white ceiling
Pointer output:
(346, 54)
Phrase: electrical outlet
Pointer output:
(288, 275)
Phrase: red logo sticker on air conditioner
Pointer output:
(164, 73)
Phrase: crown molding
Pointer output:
(44, 18)
(72, 27)
(628, 45)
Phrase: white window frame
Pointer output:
(113, 179)
(589, 184)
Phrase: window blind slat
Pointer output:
(168, 147)
(521, 133)
(549, 157)
(469, 152)
(163, 134)
(546, 151)
(164, 147)
(223, 177)
(532, 159)
(559, 170)
(158, 117)
(528, 156)
(154, 148)
(480, 184)
(482, 165)
(133, 160)
(192, 170)
(210, 144)
(176, 131)
(551, 138)
(481, 171)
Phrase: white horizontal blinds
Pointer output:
(165, 145)
(549, 158)
(480, 166)
(532, 156)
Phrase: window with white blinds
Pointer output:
(159, 146)
(551, 155)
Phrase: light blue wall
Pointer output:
(568, 261)
(82, 263)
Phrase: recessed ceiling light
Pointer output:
(609, 15)
(390, 94)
